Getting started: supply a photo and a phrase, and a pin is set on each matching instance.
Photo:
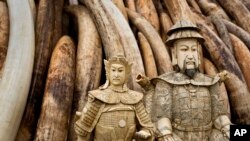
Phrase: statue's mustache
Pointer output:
(189, 61)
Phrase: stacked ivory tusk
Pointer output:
(17, 72)
(4, 32)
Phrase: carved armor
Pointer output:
(113, 116)
(191, 105)
(121, 127)
(191, 108)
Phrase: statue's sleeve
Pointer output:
(143, 116)
(144, 119)
(218, 108)
(162, 101)
(88, 118)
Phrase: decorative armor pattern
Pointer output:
(217, 102)
(142, 115)
(162, 101)
(121, 127)
(191, 107)
(111, 118)
(88, 118)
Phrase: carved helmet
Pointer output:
(117, 59)
(183, 29)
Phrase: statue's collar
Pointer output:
(111, 97)
(125, 89)
(178, 78)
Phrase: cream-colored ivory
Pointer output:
(73, 2)
(114, 102)
(33, 8)
(17, 72)
(128, 41)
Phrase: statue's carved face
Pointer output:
(117, 74)
(187, 53)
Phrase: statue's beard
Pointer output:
(190, 72)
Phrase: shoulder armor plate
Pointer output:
(111, 97)
(181, 79)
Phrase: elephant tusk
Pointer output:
(88, 61)
(4, 33)
(17, 72)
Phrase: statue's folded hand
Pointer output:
(143, 134)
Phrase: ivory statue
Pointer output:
(186, 103)
(114, 112)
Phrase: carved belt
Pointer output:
(192, 129)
